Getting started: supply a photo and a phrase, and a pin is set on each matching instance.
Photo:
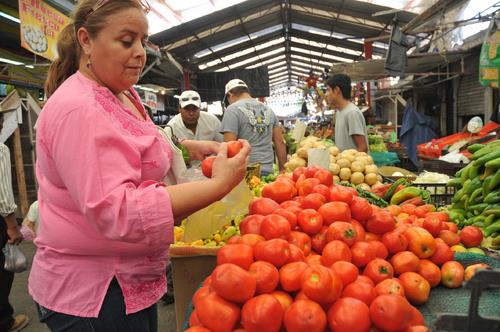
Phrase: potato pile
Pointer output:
(355, 167)
(350, 165)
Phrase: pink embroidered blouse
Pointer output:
(104, 211)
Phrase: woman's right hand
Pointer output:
(231, 171)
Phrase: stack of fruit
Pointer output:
(400, 193)
(313, 255)
(217, 239)
(477, 201)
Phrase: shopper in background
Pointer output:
(9, 232)
(255, 122)
(350, 125)
(107, 217)
(192, 123)
(31, 222)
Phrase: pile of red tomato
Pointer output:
(313, 256)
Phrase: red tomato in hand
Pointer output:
(263, 206)
(313, 201)
(471, 236)
(278, 191)
(347, 272)
(232, 283)
(362, 253)
(343, 231)
(323, 190)
(238, 254)
(275, 227)
(301, 240)
(251, 224)
(318, 240)
(324, 176)
(362, 291)
(262, 313)
(206, 166)
(395, 242)
(266, 275)
(349, 315)
(305, 315)
(291, 276)
(361, 210)
(227, 313)
(275, 251)
(339, 193)
(391, 313)
(233, 148)
(320, 284)
(336, 251)
(335, 211)
(290, 216)
(381, 222)
(310, 221)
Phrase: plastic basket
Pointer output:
(436, 165)
(441, 195)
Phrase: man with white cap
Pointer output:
(193, 124)
(250, 119)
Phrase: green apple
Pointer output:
(476, 251)
(458, 248)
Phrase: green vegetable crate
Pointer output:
(441, 195)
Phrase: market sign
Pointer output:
(40, 27)
(151, 101)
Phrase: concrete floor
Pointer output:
(23, 304)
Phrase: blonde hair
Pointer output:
(68, 48)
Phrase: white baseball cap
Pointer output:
(234, 83)
(189, 97)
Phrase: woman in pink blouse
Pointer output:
(108, 218)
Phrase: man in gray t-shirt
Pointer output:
(246, 118)
(350, 126)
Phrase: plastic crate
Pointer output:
(436, 165)
(441, 195)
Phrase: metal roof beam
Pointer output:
(302, 66)
(314, 57)
(352, 29)
(191, 47)
(355, 9)
(246, 57)
(326, 51)
(239, 47)
(270, 63)
(217, 21)
(334, 41)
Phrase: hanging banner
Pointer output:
(40, 26)
(151, 100)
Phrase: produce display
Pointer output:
(401, 192)
(376, 143)
(351, 166)
(217, 239)
(313, 255)
(477, 200)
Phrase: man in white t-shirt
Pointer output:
(193, 124)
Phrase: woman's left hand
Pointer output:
(198, 150)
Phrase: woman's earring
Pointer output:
(88, 63)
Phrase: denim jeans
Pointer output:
(112, 317)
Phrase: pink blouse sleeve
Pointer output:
(101, 169)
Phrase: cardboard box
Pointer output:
(188, 271)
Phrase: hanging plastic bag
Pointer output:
(489, 59)
(15, 261)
